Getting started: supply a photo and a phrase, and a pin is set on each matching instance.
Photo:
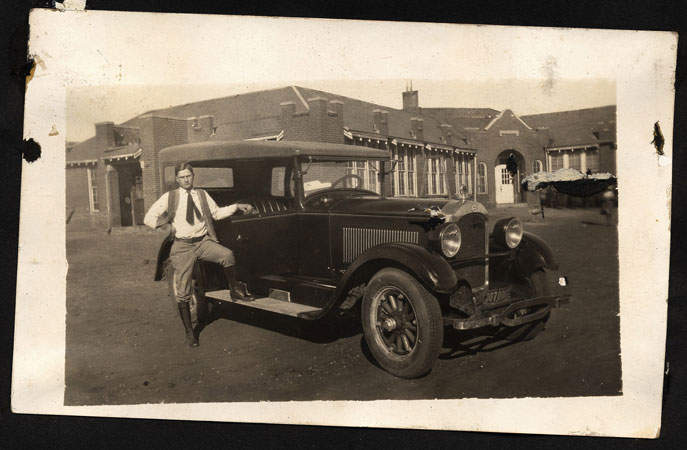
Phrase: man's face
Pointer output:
(185, 179)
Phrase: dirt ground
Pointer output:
(125, 343)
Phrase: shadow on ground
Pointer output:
(326, 330)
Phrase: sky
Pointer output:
(123, 64)
(88, 105)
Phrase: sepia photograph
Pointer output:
(313, 225)
(307, 238)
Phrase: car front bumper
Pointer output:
(516, 313)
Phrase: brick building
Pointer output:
(113, 177)
(581, 139)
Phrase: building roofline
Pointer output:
(500, 115)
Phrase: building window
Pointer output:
(482, 178)
(464, 172)
(367, 171)
(556, 161)
(575, 160)
(593, 160)
(537, 166)
(93, 190)
(436, 184)
(405, 180)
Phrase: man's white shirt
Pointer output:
(184, 230)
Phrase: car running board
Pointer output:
(276, 303)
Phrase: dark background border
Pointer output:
(34, 431)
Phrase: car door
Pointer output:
(265, 241)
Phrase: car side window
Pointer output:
(170, 179)
(278, 182)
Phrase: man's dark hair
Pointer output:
(182, 166)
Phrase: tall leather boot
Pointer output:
(236, 292)
(185, 313)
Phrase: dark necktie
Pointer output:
(191, 209)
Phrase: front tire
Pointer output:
(402, 324)
(539, 286)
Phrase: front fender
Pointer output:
(533, 253)
(162, 256)
(431, 269)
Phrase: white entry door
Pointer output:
(504, 184)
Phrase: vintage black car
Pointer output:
(322, 238)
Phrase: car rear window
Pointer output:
(213, 177)
(205, 177)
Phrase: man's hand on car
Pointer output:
(245, 208)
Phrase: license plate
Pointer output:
(497, 296)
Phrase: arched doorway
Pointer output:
(509, 169)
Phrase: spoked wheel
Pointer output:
(200, 306)
(396, 322)
(402, 324)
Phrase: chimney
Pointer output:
(416, 128)
(472, 132)
(337, 107)
(104, 135)
(318, 106)
(207, 122)
(377, 120)
(411, 102)
(288, 109)
(384, 129)
(447, 133)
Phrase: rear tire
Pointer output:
(402, 324)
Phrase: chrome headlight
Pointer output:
(450, 240)
(508, 232)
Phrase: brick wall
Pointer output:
(200, 129)
(322, 123)
(77, 189)
(115, 204)
(158, 133)
(529, 143)
(78, 201)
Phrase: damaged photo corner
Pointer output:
(387, 238)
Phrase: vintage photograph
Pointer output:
(306, 238)
(316, 230)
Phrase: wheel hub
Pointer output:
(389, 324)
(396, 323)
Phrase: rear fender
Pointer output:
(162, 256)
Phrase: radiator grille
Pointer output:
(472, 231)
(357, 240)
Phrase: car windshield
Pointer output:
(340, 175)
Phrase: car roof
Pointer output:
(223, 150)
